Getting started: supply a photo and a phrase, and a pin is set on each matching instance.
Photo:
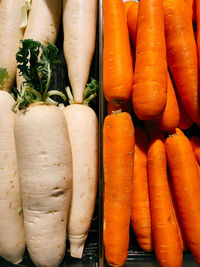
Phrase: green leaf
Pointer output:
(3, 77)
(35, 63)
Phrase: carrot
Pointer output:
(117, 61)
(169, 119)
(127, 107)
(176, 216)
(198, 26)
(195, 141)
(167, 243)
(192, 5)
(185, 121)
(150, 78)
(132, 21)
(118, 154)
(127, 4)
(182, 54)
(141, 215)
(186, 186)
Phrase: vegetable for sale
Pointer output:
(167, 242)
(11, 34)
(170, 118)
(186, 186)
(195, 141)
(12, 238)
(132, 21)
(182, 54)
(79, 25)
(149, 95)
(118, 156)
(140, 214)
(43, 154)
(198, 29)
(83, 133)
(117, 60)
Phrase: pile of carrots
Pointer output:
(152, 172)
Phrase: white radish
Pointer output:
(43, 23)
(10, 36)
(45, 172)
(44, 156)
(12, 238)
(83, 131)
(79, 25)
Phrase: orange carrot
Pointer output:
(195, 141)
(169, 119)
(150, 78)
(186, 187)
(117, 61)
(192, 6)
(182, 54)
(185, 121)
(177, 217)
(141, 215)
(126, 107)
(167, 243)
(127, 4)
(198, 28)
(118, 156)
(132, 21)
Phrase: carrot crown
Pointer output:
(35, 63)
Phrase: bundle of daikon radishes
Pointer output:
(49, 152)
(151, 139)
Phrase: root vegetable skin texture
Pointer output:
(127, 5)
(186, 185)
(198, 28)
(167, 243)
(79, 25)
(141, 215)
(43, 21)
(132, 21)
(185, 121)
(12, 238)
(182, 54)
(117, 60)
(118, 155)
(45, 173)
(83, 132)
(170, 118)
(11, 34)
(149, 94)
(192, 5)
(195, 141)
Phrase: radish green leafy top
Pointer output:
(90, 92)
(3, 77)
(35, 63)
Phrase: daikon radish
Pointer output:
(10, 35)
(43, 23)
(44, 157)
(79, 25)
(12, 238)
(83, 132)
